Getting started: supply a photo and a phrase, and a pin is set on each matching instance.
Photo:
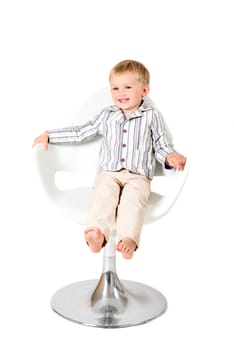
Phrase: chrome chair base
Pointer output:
(142, 304)
(109, 302)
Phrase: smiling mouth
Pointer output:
(123, 100)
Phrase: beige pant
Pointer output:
(119, 197)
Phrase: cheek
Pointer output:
(113, 95)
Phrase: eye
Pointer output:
(128, 87)
(114, 89)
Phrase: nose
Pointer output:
(121, 92)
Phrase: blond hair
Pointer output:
(133, 67)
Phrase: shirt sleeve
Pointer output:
(77, 134)
(161, 144)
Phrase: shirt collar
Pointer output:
(138, 113)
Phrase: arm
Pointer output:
(71, 134)
(164, 152)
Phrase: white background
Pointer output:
(53, 55)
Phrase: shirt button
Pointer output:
(124, 145)
(125, 130)
(122, 160)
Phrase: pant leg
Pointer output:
(132, 206)
(104, 202)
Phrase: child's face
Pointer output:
(127, 91)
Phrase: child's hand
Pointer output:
(44, 139)
(176, 160)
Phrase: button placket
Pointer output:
(124, 145)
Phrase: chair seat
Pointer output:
(73, 205)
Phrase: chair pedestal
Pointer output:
(109, 302)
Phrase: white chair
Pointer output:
(108, 302)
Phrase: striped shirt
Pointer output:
(132, 142)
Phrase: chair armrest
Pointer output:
(78, 158)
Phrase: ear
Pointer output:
(146, 90)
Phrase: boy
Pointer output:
(134, 137)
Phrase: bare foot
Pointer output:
(127, 247)
(95, 238)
